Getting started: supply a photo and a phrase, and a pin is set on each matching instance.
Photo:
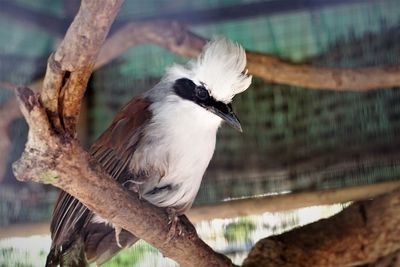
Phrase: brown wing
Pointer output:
(113, 150)
(116, 145)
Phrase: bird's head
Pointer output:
(213, 79)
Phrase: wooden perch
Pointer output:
(362, 233)
(53, 155)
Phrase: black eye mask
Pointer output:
(198, 94)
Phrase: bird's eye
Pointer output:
(201, 93)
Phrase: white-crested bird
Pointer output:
(159, 145)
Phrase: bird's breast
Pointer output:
(178, 148)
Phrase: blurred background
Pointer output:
(294, 140)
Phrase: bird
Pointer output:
(158, 145)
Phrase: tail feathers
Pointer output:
(97, 244)
(74, 256)
(53, 259)
(101, 244)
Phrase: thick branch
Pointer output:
(180, 41)
(70, 67)
(362, 233)
(48, 158)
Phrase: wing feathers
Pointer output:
(100, 243)
(113, 150)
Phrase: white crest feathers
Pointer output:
(221, 66)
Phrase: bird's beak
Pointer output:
(225, 112)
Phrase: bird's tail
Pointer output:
(74, 256)
(101, 243)
(97, 244)
(52, 259)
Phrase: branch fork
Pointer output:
(37, 162)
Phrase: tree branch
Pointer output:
(362, 233)
(168, 34)
(390, 260)
(273, 69)
(70, 67)
(178, 40)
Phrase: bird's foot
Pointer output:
(133, 185)
(117, 232)
(175, 227)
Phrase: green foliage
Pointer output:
(15, 257)
(130, 256)
(239, 231)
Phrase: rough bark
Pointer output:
(363, 233)
(69, 68)
(391, 260)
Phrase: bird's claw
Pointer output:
(175, 226)
(117, 232)
(133, 185)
